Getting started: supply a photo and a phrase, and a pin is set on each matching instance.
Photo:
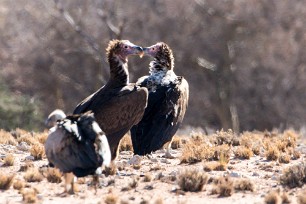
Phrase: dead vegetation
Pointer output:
(243, 152)
(18, 184)
(223, 186)
(192, 180)
(33, 175)
(244, 185)
(277, 197)
(294, 176)
(30, 195)
(54, 175)
(6, 181)
(8, 160)
(37, 151)
(111, 199)
(7, 138)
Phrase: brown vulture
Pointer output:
(167, 103)
(77, 145)
(53, 117)
(118, 105)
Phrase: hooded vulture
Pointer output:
(167, 103)
(53, 117)
(118, 105)
(77, 145)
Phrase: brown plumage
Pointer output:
(77, 145)
(119, 104)
(167, 103)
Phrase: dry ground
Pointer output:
(220, 168)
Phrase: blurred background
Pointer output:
(245, 60)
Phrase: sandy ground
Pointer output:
(161, 189)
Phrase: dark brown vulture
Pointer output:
(53, 117)
(167, 103)
(77, 145)
(119, 104)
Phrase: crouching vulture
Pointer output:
(118, 105)
(54, 116)
(167, 103)
(77, 145)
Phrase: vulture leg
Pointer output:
(168, 151)
(69, 180)
(95, 182)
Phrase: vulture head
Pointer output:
(54, 117)
(162, 54)
(122, 49)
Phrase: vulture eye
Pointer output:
(153, 48)
(125, 46)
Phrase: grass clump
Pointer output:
(284, 158)
(244, 185)
(192, 180)
(272, 153)
(110, 170)
(243, 152)
(9, 160)
(6, 181)
(215, 166)
(111, 199)
(196, 150)
(147, 177)
(29, 196)
(53, 175)
(223, 186)
(18, 184)
(33, 175)
(37, 151)
(7, 138)
(294, 176)
(176, 142)
(276, 197)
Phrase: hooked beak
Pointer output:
(139, 51)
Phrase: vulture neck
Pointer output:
(119, 74)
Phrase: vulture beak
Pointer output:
(139, 51)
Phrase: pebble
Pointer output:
(255, 174)
(154, 160)
(29, 158)
(165, 161)
(23, 146)
(235, 175)
(136, 160)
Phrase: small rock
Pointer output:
(154, 160)
(136, 160)
(29, 158)
(235, 175)
(255, 174)
(23, 146)
(165, 161)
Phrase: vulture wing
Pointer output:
(116, 111)
(163, 116)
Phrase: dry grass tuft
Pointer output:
(37, 151)
(126, 143)
(296, 155)
(196, 150)
(243, 152)
(42, 137)
(192, 180)
(223, 137)
(111, 199)
(159, 201)
(7, 138)
(176, 142)
(224, 186)
(284, 158)
(53, 175)
(9, 160)
(18, 184)
(26, 166)
(6, 181)
(215, 166)
(29, 196)
(272, 153)
(244, 185)
(111, 170)
(273, 197)
(147, 177)
(294, 176)
(133, 184)
(221, 152)
(29, 139)
(33, 175)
